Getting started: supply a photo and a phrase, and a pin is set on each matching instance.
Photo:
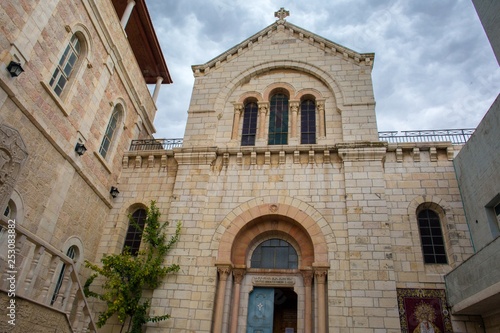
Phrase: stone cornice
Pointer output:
(295, 32)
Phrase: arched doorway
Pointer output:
(278, 257)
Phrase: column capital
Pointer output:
(307, 276)
(263, 107)
(238, 107)
(238, 275)
(224, 270)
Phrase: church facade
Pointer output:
(296, 217)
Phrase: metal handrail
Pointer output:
(455, 136)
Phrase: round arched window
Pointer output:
(274, 253)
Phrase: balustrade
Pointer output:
(38, 266)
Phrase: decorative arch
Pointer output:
(250, 223)
(308, 92)
(84, 35)
(250, 72)
(13, 154)
(282, 86)
(77, 243)
(248, 95)
(442, 209)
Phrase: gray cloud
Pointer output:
(434, 68)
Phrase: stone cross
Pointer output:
(281, 14)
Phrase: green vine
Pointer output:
(126, 276)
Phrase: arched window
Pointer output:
(307, 122)
(134, 232)
(249, 124)
(66, 65)
(72, 253)
(274, 253)
(278, 120)
(431, 236)
(110, 131)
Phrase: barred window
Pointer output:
(274, 253)
(431, 236)
(307, 122)
(278, 120)
(249, 124)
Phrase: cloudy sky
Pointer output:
(434, 67)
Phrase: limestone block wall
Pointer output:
(31, 317)
(60, 196)
(287, 55)
(363, 198)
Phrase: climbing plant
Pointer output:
(125, 276)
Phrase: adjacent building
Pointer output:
(73, 77)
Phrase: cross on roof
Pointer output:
(281, 14)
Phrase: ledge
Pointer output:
(55, 98)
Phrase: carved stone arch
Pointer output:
(85, 37)
(13, 155)
(278, 86)
(250, 72)
(442, 209)
(242, 228)
(120, 103)
(308, 91)
(78, 244)
(250, 94)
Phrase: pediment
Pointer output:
(294, 33)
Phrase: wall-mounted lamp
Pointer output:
(80, 148)
(15, 69)
(114, 191)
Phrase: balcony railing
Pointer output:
(37, 267)
(155, 144)
(455, 136)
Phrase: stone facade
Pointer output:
(344, 205)
(57, 198)
(348, 203)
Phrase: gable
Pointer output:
(282, 34)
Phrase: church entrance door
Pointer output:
(272, 310)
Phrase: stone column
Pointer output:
(294, 107)
(263, 108)
(159, 80)
(238, 275)
(127, 13)
(320, 106)
(238, 108)
(307, 277)
(320, 278)
(224, 270)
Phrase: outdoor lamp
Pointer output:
(80, 148)
(15, 69)
(114, 191)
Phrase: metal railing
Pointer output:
(156, 144)
(455, 136)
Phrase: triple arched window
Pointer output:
(282, 117)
